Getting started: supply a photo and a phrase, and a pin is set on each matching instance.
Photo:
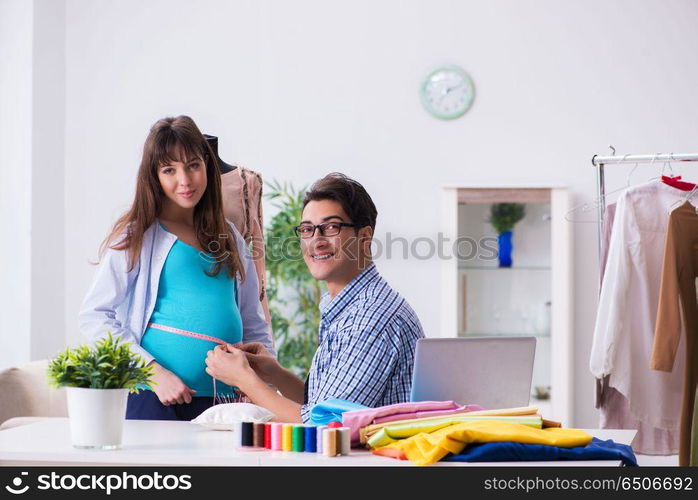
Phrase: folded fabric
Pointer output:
(332, 410)
(426, 414)
(356, 419)
(510, 452)
(427, 448)
(366, 432)
(391, 433)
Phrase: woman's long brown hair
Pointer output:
(168, 138)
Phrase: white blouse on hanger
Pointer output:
(628, 307)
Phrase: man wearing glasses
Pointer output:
(368, 332)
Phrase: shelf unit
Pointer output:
(556, 273)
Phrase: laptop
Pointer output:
(493, 372)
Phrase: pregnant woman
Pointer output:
(175, 278)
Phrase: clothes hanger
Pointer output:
(675, 180)
(684, 200)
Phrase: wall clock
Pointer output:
(447, 92)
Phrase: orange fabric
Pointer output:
(678, 311)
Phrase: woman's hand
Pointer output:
(229, 365)
(263, 363)
(169, 388)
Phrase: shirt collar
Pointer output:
(331, 308)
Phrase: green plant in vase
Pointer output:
(108, 364)
(503, 217)
(97, 380)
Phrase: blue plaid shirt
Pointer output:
(366, 343)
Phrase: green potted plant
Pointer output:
(293, 293)
(503, 217)
(98, 380)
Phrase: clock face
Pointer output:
(447, 92)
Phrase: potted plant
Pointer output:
(293, 293)
(503, 217)
(98, 380)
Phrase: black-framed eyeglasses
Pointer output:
(326, 229)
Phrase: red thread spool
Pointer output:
(267, 436)
(334, 425)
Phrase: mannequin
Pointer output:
(222, 166)
(241, 190)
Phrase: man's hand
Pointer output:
(229, 365)
(169, 388)
(263, 363)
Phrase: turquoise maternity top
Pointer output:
(189, 299)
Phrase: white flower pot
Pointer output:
(97, 417)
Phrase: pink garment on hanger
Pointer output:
(649, 440)
(357, 419)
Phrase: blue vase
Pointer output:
(505, 249)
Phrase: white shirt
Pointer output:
(628, 304)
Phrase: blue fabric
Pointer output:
(331, 411)
(146, 406)
(506, 452)
(366, 344)
(191, 300)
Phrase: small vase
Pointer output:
(96, 417)
(505, 249)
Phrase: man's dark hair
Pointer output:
(351, 195)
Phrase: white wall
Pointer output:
(32, 123)
(297, 89)
(48, 309)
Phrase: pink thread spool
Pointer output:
(276, 436)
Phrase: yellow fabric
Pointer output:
(391, 433)
(428, 448)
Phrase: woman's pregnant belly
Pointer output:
(190, 300)
(186, 358)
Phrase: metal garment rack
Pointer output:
(600, 162)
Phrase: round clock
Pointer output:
(447, 92)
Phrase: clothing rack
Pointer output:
(600, 162)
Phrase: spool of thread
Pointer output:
(237, 434)
(344, 435)
(258, 435)
(267, 436)
(276, 436)
(287, 437)
(310, 439)
(247, 434)
(329, 442)
(298, 443)
(334, 425)
(318, 437)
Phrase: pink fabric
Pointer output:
(357, 419)
(427, 413)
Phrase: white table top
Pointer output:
(171, 443)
